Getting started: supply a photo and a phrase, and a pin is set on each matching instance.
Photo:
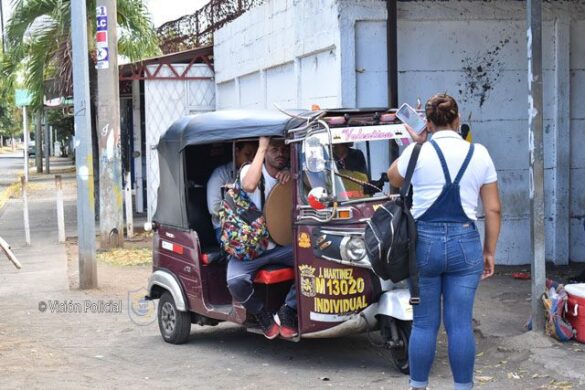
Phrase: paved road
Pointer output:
(11, 164)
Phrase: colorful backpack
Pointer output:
(243, 228)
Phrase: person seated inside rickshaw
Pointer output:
(349, 158)
(269, 167)
(351, 162)
(226, 174)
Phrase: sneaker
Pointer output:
(266, 322)
(288, 322)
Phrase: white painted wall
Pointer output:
(165, 102)
(333, 53)
(282, 52)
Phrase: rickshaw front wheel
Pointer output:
(174, 325)
(397, 345)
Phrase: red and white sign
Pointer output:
(101, 37)
(172, 247)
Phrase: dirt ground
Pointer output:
(499, 365)
(40, 349)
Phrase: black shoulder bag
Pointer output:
(390, 237)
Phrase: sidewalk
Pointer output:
(108, 350)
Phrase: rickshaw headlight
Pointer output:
(354, 249)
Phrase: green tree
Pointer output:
(10, 115)
(39, 42)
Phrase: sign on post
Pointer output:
(101, 38)
(22, 97)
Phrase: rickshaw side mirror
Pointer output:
(150, 226)
(314, 154)
(318, 198)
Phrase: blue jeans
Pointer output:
(450, 261)
(240, 278)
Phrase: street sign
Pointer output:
(101, 38)
(22, 97)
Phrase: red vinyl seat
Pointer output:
(274, 274)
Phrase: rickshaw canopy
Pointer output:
(202, 129)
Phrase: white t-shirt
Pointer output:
(256, 196)
(222, 175)
(269, 183)
(428, 178)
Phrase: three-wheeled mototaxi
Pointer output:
(322, 214)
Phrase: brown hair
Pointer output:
(441, 109)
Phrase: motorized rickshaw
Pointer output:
(322, 214)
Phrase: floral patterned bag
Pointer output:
(243, 228)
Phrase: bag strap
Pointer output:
(410, 170)
(412, 267)
(262, 196)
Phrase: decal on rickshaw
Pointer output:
(334, 291)
(368, 133)
(304, 240)
(308, 287)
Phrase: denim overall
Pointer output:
(450, 261)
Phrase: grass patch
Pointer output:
(8, 193)
(125, 257)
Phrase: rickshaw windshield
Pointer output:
(347, 170)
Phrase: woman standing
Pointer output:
(450, 175)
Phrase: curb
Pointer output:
(8, 193)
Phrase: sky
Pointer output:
(166, 10)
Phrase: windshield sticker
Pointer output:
(370, 133)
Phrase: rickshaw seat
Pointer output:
(274, 274)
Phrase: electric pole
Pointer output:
(83, 151)
(111, 194)
(536, 159)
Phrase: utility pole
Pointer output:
(47, 139)
(26, 140)
(111, 193)
(83, 151)
(536, 159)
(39, 141)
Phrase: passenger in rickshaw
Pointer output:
(269, 167)
(351, 163)
(349, 158)
(226, 174)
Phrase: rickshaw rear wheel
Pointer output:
(174, 325)
(398, 350)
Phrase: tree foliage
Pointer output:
(39, 42)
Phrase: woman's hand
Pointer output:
(488, 265)
(418, 138)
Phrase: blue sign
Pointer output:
(102, 53)
(102, 23)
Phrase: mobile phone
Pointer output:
(408, 115)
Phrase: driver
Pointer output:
(270, 166)
(349, 158)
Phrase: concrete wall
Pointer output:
(477, 52)
(474, 50)
(283, 52)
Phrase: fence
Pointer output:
(196, 30)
